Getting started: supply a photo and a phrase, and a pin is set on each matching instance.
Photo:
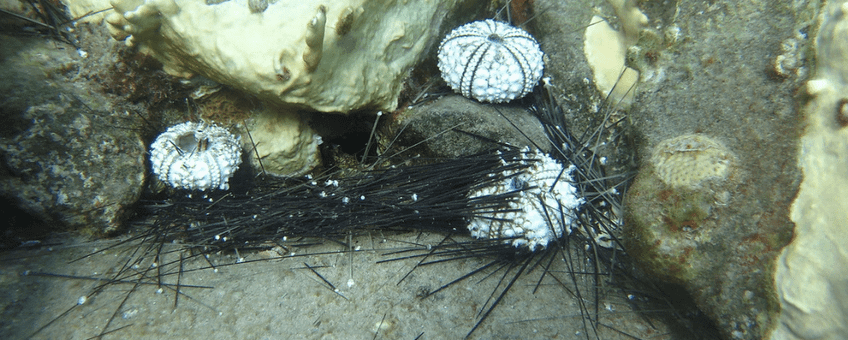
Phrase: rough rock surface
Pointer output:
(431, 128)
(68, 155)
(719, 239)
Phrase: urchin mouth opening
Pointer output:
(495, 38)
(196, 156)
(189, 143)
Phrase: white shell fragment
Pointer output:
(541, 214)
(490, 61)
(196, 156)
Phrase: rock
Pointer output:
(719, 233)
(812, 270)
(283, 54)
(68, 158)
(721, 240)
(418, 126)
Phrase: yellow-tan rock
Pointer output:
(330, 56)
(812, 272)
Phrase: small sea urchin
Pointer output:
(490, 61)
(196, 156)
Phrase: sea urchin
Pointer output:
(490, 61)
(543, 211)
(196, 156)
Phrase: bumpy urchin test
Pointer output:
(490, 61)
(196, 156)
(546, 189)
(564, 207)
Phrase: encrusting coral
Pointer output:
(327, 56)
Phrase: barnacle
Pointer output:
(490, 61)
(196, 156)
(543, 210)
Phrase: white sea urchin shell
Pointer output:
(196, 156)
(490, 61)
(541, 214)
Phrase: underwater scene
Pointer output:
(451, 169)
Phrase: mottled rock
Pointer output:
(67, 168)
(672, 203)
(68, 157)
(431, 129)
(719, 239)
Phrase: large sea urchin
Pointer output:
(196, 156)
(543, 211)
(490, 61)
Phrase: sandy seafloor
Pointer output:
(279, 298)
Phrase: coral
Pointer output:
(491, 61)
(605, 51)
(322, 55)
(87, 11)
(284, 145)
(292, 56)
(543, 212)
(196, 156)
(811, 272)
(686, 161)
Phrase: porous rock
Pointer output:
(69, 157)
(719, 239)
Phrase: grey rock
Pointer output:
(434, 129)
(731, 74)
(69, 157)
